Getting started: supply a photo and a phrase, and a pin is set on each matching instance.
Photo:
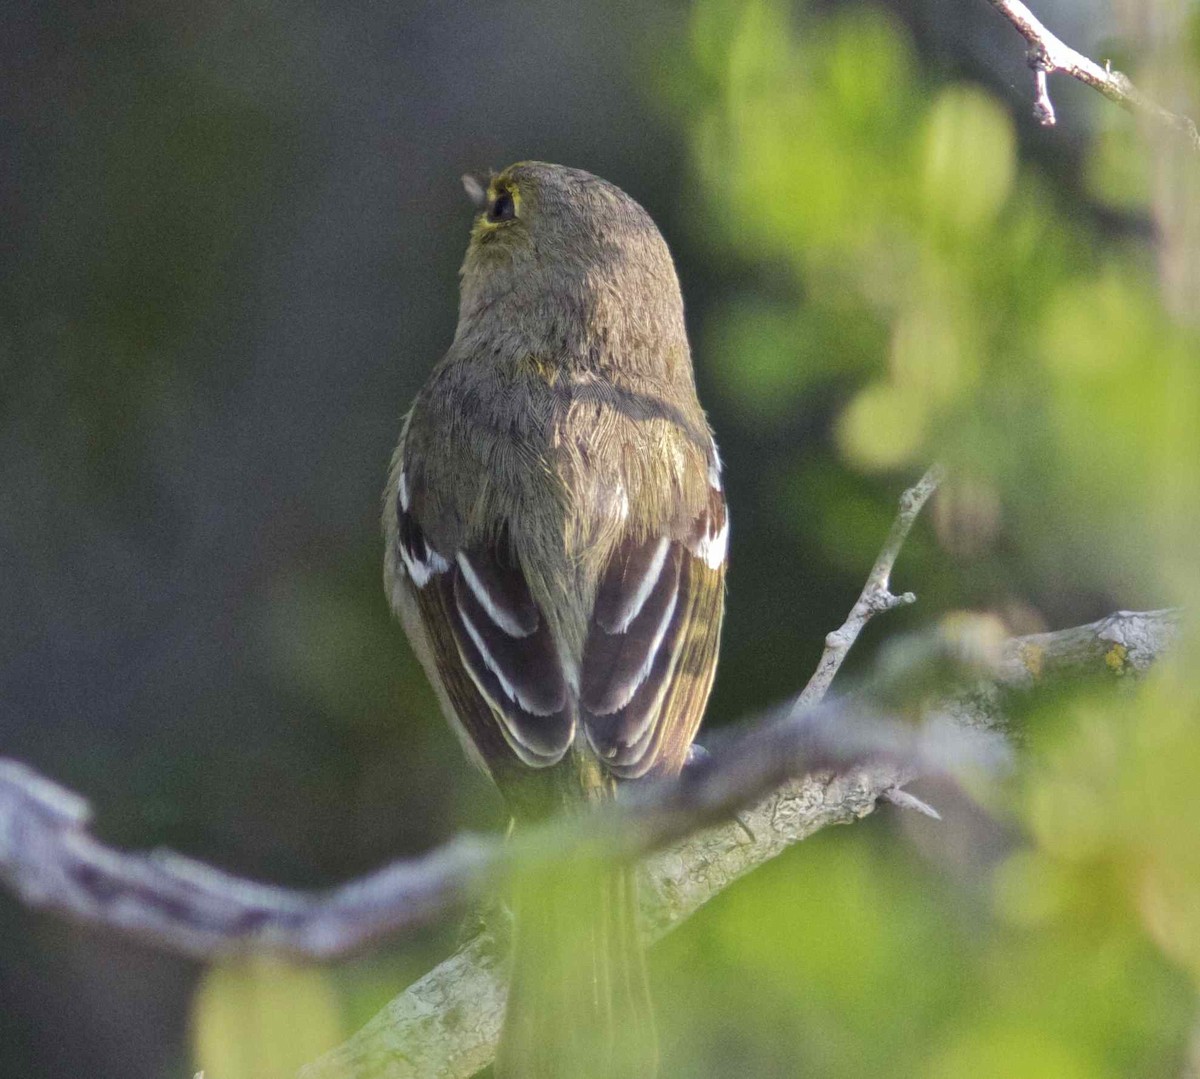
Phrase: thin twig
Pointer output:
(876, 595)
(1047, 55)
(902, 799)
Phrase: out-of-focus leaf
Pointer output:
(883, 427)
(935, 295)
(968, 160)
(263, 1018)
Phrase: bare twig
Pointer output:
(876, 595)
(902, 799)
(1047, 55)
(49, 858)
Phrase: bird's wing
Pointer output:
(651, 647)
(647, 662)
(492, 647)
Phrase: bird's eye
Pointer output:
(502, 208)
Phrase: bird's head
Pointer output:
(551, 238)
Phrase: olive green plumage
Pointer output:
(556, 532)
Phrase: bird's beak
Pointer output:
(476, 190)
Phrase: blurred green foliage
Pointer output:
(263, 1018)
(971, 312)
(926, 278)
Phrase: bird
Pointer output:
(556, 539)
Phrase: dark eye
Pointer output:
(503, 208)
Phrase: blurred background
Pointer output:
(228, 260)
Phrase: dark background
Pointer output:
(228, 259)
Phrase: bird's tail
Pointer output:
(579, 1000)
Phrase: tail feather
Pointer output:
(579, 999)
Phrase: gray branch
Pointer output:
(444, 1026)
(876, 596)
(1047, 55)
(48, 857)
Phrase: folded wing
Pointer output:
(652, 646)
(647, 662)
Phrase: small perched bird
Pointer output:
(556, 541)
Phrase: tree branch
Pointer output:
(1047, 55)
(50, 860)
(444, 1026)
(876, 595)
(48, 857)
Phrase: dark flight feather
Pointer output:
(651, 651)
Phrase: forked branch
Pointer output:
(876, 595)
(1048, 55)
